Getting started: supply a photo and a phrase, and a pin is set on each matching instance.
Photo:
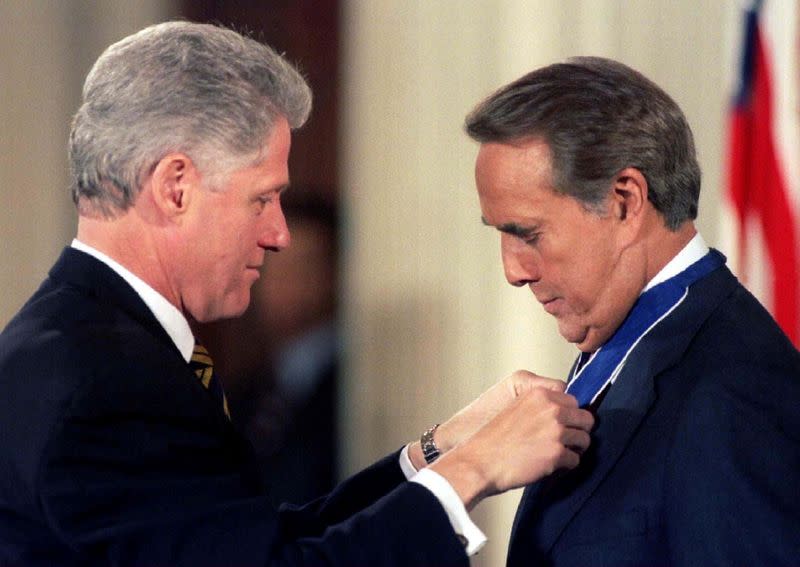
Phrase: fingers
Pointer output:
(582, 419)
(568, 460)
(573, 444)
(551, 384)
(523, 381)
(565, 406)
(521, 429)
(541, 431)
(576, 440)
(545, 398)
(492, 402)
(571, 425)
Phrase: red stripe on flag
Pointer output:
(758, 187)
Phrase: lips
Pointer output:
(551, 305)
(544, 300)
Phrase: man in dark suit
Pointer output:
(588, 170)
(115, 446)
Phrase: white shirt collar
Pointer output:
(170, 317)
(695, 249)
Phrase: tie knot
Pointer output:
(203, 367)
(200, 355)
(202, 364)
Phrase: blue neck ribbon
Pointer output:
(592, 374)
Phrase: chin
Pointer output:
(236, 311)
(231, 309)
(571, 333)
(581, 337)
(593, 340)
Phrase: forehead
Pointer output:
(271, 170)
(514, 181)
(532, 155)
(276, 147)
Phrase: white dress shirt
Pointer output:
(170, 317)
(459, 517)
(177, 327)
(695, 249)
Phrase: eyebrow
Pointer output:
(513, 228)
(280, 190)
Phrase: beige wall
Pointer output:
(430, 320)
(46, 49)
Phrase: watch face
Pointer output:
(429, 449)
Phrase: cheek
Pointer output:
(601, 292)
(583, 282)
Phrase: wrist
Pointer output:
(464, 475)
(416, 456)
(443, 437)
(424, 452)
(430, 450)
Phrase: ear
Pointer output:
(629, 199)
(175, 180)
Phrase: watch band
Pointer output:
(429, 449)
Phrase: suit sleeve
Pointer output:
(127, 485)
(734, 469)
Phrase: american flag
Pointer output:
(764, 159)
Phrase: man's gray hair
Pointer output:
(199, 89)
(598, 117)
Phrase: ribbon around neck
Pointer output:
(588, 380)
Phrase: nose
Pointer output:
(275, 232)
(519, 262)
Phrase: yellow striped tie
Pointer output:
(203, 366)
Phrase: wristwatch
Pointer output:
(429, 449)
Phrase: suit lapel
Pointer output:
(548, 506)
(617, 419)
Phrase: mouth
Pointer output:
(551, 305)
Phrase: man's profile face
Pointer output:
(568, 256)
(229, 231)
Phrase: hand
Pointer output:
(477, 414)
(542, 431)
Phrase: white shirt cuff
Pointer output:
(406, 465)
(447, 496)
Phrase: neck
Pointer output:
(663, 245)
(127, 241)
(637, 265)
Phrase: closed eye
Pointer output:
(269, 196)
(528, 234)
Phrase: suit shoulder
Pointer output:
(741, 367)
(65, 341)
(740, 362)
(740, 332)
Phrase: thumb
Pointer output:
(524, 382)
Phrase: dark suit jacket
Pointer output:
(696, 452)
(112, 453)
